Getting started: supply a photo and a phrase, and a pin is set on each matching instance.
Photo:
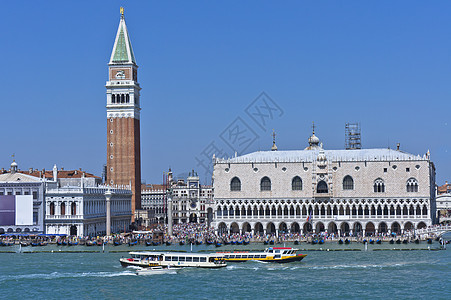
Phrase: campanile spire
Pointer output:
(123, 115)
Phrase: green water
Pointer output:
(388, 274)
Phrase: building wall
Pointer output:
(89, 216)
(123, 154)
(26, 188)
(394, 209)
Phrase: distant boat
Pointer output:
(218, 244)
(417, 241)
(182, 242)
(340, 241)
(429, 241)
(198, 242)
(392, 241)
(378, 241)
(371, 241)
(266, 242)
(168, 243)
(296, 242)
(347, 241)
(246, 242)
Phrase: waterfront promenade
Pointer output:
(200, 234)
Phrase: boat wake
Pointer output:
(57, 275)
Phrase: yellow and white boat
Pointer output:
(271, 254)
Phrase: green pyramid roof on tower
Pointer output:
(122, 49)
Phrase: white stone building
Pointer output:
(191, 201)
(444, 208)
(15, 183)
(362, 191)
(81, 211)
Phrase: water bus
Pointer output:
(174, 259)
(271, 254)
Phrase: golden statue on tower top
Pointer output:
(122, 11)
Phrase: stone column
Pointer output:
(170, 216)
(108, 195)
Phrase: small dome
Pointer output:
(14, 164)
(313, 140)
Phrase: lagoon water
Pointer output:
(388, 274)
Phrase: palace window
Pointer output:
(235, 184)
(322, 187)
(113, 98)
(52, 209)
(348, 183)
(296, 183)
(265, 184)
(73, 209)
(63, 209)
(412, 185)
(379, 186)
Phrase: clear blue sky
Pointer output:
(385, 64)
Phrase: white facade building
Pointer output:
(444, 208)
(81, 210)
(191, 201)
(364, 191)
(14, 183)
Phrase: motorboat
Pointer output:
(271, 254)
(157, 270)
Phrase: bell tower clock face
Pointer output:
(120, 74)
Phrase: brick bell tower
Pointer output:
(123, 113)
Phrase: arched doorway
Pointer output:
(209, 216)
(395, 227)
(357, 228)
(246, 227)
(421, 225)
(270, 228)
(73, 230)
(258, 228)
(382, 227)
(307, 227)
(332, 228)
(283, 228)
(370, 229)
(222, 228)
(344, 228)
(319, 227)
(295, 227)
(193, 218)
(408, 226)
(234, 228)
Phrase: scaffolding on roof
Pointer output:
(353, 138)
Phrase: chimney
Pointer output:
(397, 146)
(30, 170)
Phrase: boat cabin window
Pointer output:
(250, 256)
(181, 258)
(189, 259)
(203, 259)
(195, 259)
(232, 256)
(238, 256)
(277, 251)
(244, 256)
(269, 251)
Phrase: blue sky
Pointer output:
(384, 64)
